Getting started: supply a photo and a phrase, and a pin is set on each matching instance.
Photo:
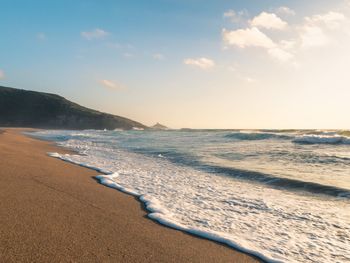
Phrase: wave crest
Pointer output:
(322, 139)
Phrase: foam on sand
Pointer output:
(159, 213)
(273, 224)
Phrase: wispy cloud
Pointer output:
(285, 10)
(268, 21)
(111, 85)
(203, 63)
(2, 74)
(94, 34)
(235, 16)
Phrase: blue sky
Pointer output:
(201, 64)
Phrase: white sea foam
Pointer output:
(276, 225)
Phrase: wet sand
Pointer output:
(53, 211)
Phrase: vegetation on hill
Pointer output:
(22, 108)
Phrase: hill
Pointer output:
(22, 108)
(159, 126)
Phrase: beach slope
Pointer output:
(53, 211)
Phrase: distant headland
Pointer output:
(23, 108)
(159, 126)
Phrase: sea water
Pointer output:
(283, 196)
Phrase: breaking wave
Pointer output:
(322, 139)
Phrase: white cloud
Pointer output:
(284, 10)
(158, 56)
(234, 16)
(280, 54)
(320, 30)
(253, 37)
(203, 63)
(331, 19)
(288, 44)
(250, 37)
(268, 21)
(111, 85)
(2, 74)
(313, 36)
(94, 34)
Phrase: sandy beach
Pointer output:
(53, 211)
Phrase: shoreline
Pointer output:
(117, 223)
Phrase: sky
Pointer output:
(186, 63)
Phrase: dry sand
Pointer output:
(53, 211)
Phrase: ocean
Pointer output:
(282, 195)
